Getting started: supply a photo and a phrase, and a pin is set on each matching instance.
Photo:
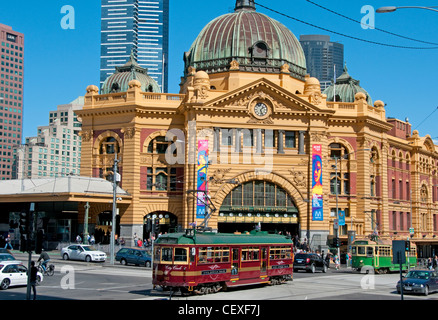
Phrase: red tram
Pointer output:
(205, 262)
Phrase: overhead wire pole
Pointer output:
(114, 212)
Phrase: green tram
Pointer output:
(367, 254)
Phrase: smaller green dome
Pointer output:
(345, 89)
(119, 81)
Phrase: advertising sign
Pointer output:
(317, 192)
(341, 218)
(11, 37)
(202, 187)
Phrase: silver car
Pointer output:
(83, 253)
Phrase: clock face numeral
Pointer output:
(261, 109)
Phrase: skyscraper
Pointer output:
(11, 97)
(56, 150)
(323, 57)
(139, 27)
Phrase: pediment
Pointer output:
(279, 100)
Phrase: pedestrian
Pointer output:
(92, 240)
(336, 261)
(327, 259)
(135, 239)
(429, 263)
(434, 263)
(33, 278)
(8, 242)
(78, 239)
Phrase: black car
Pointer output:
(134, 256)
(419, 281)
(310, 262)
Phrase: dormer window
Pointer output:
(260, 53)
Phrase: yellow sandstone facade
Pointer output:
(261, 125)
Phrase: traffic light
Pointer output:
(407, 246)
(336, 242)
(39, 241)
(24, 223)
(25, 245)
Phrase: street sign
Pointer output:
(336, 224)
(411, 231)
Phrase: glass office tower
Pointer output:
(323, 57)
(137, 26)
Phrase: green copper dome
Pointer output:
(257, 42)
(119, 81)
(345, 89)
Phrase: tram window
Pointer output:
(180, 255)
(166, 254)
(370, 251)
(235, 254)
(277, 253)
(360, 250)
(214, 255)
(157, 254)
(353, 250)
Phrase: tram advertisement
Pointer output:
(317, 192)
(202, 178)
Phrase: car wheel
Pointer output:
(5, 284)
(124, 262)
(312, 268)
(147, 264)
(38, 280)
(426, 290)
(65, 256)
(88, 259)
(324, 269)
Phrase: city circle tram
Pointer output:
(370, 255)
(206, 262)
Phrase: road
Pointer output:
(75, 280)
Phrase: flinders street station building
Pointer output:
(252, 141)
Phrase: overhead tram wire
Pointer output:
(362, 24)
(344, 35)
(426, 118)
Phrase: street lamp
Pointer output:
(393, 8)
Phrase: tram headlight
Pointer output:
(166, 272)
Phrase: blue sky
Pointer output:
(60, 64)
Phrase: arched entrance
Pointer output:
(259, 203)
(165, 222)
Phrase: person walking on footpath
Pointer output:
(8, 242)
(33, 278)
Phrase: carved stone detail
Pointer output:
(299, 178)
(86, 135)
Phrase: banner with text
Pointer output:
(202, 187)
(317, 191)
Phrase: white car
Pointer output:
(13, 273)
(82, 252)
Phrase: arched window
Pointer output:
(260, 53)
(109, 146)
(337, 150)
(159, 145)
(260, 194)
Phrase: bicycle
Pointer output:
(50, 269)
